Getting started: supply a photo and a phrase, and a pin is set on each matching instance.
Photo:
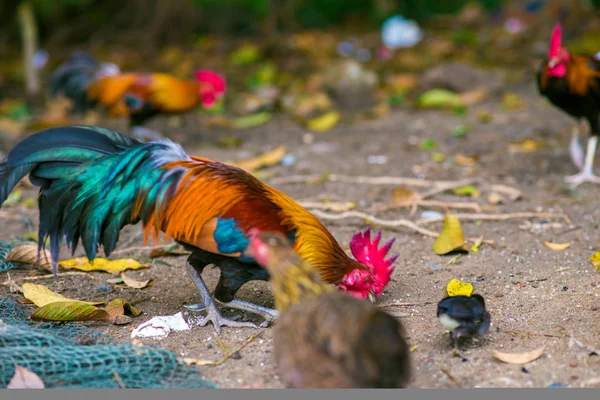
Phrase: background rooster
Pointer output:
(137, 96)
(570, 82)
(95, 181)
(324, 338)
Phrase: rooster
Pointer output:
(94, 181)
(324, 338)
(570, 82)
(140, 97)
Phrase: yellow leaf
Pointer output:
(102, 264)
(458, 288)
(596, 260)
(461, 159)
(468, 190)
(267, 159)
(70, 310)
(475, 247)
(451, 237)
(41, 295)
(324, 122)
(557, 246)
(520, 358)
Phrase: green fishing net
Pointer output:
(70, 355)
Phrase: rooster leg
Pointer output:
(456, 335)
(145, 134)
(213, 315)
(587, 173)
(575, 149)
(268, 314)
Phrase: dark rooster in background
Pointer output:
(95, 181)
(570, 82)
(324, 338)
(139, 96)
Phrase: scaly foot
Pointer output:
(581, 177)
(575, 149)
(268, 314)
(213, 315)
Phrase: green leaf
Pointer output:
(427, 144)
(70, 311)
(439, 98)
(252, 120)
(460, 130)
(468, 190)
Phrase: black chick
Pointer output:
(464, 316)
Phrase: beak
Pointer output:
(371, 297)
(552, 63)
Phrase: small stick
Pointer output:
(138, 248)
(430, 203)
(449, 375)
(371, 180)
(119, 380)
(500, 217)
(370, 218)
(332, 206)
(407, 304)
(33, 278)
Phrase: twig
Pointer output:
(448, 186)
(332, 206)
(372, 219)
(371, 180)
(137, 248)
(500, 217)
(190, 361)
(430, 203)
(119, 380)
(406, 304)
(49, 276)
(449, 375)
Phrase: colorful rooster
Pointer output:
(95, 181)
(570, 82)
(137, 96)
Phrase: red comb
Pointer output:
(555, 41)
(216, 80)
(368, 253)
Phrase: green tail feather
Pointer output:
(89, 179)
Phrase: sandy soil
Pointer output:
(536, 296)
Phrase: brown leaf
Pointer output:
(25, 379)
(520, 358)
(120, 306)
(474, 96)
(267, 159)
(28, 254)
(70, 311)
(404, 197)
(132, 283)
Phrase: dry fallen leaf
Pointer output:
(267, 159)
(25, 379)
(458, 288)
(495, 198)
(526, 146)
(520, 358)
(557, 246)
(474, 96)
(404, 197)
(71, 310)
(461, 159)
(41, 295)
(102, 264)
(475, 247)
(28, 254)
(197, 361)
(451, 237)
(132, 283)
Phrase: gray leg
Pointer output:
(587, 173)
(456, 335)
(213, 315)
(575, 149)
(268, 314)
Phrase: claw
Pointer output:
(582, 177)
(218, 320)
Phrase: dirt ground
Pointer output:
(536, 296)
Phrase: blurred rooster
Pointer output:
(95, 181)
(570, 82)
(137, 96)
(324, 338)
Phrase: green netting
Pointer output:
(5, 246)
(74, 356)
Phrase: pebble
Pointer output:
(479, 275)
(209, 346)
(596, 307)
(565, 288)
(573, 363)
(535, 285)
(236, 355)
(499, 295)
(515, 281)
(104, 288)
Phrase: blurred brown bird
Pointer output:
(571, 82)
(324, 338)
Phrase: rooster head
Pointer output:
(557, 55)
(370, 281)
(212, 87)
